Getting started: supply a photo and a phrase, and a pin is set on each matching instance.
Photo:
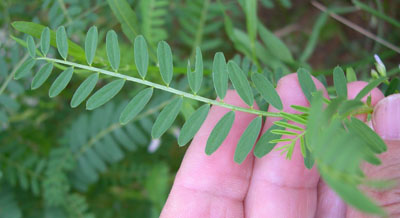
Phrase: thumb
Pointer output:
(386, 122)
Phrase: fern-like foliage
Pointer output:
(92, 152)
(8, 206)
(153, 13)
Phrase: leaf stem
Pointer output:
(164, 88)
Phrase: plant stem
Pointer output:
(164, 88)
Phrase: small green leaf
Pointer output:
(164, 56)
(113, 52)
(220, 75)
(275, 45)
(61, 82)
(351, 75)
(45, 41)
(393, 86)
(30, 44)
(294, 117)
(288, 126)
(247, 140)
(369, 88)
(104, 94)
(42, 75)
(166, 117)
(196, 77)
(267, 90)
(340, 82)
(141, 55)
(306, 83)
(240, 83)
(302, 109)
(308, 157)
(264, 144)
(91, 44)
(193, 124)
(62, 42)
(24, 69)
(366, 134)
(220, 132)
(283, 132)
(136, 105)
(84, 90)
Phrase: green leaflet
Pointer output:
(42, 75)
(166, 117)
(393, 86)
(264, 144)
(30, 43)
(366, 134)
(267, 90)
(275, 45)
(113, 52)
(340, 82)
(288, 125)
(61, 82)
(141, 55)
(220, 132)
(351, 75)
(369, 88)
(84, 90)
(240, 83)
(193, 124)
(91, 44)
(35, 30)
(24, 69)
(220, 75)
(104, 94)
(62, 42)
(247, 140)
(306, 83)
(126, 16)
(45, 41)
(136, 105)
(195, 78)
(308, 157)
(164, 56)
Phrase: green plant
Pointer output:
(74, 160)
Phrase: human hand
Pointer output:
(215, 186)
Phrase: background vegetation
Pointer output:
(46, 148)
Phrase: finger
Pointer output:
(386, 122)
(280, 187)
(330, 205)
(212, 186)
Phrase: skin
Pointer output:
(215, 186)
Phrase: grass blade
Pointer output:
(247, 140)
(166, 117)
(84, 90)
(193, 124)
(240, 83)
(104, 94)
(61, 82)
(220, 132)
(136, 105)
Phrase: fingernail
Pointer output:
(386, 117)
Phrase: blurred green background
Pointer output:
(61, 162)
